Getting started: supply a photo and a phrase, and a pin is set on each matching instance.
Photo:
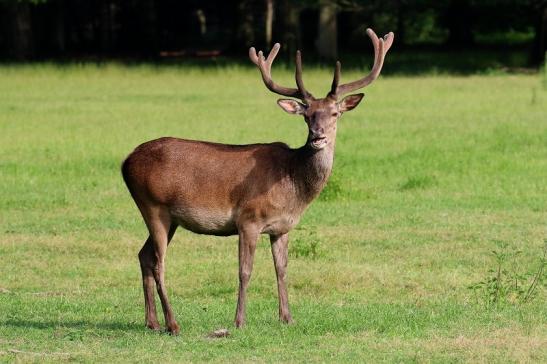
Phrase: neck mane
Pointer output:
(311, 170)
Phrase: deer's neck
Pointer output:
(311, 170)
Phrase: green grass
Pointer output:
(431, 175)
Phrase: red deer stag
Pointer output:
(243, 190)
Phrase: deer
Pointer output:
(244, 190)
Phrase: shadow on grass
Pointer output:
(311, 318)
(79, 324)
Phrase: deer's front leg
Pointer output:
(280, 250)
(248, 237)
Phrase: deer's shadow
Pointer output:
(74, 324)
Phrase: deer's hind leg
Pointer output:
(152, 258)
(147, 259)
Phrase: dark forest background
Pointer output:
(170, 29)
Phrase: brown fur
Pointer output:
(265, 181)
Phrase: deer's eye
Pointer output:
(334, 114)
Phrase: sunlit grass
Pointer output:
(431, 174)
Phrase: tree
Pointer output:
(539, 48)
(290, 27)
(458, 17)
(245, 32)
(269, 22)
(327, 41)
(20, 41)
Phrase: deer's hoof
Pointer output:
(155, 326)
(173, 329)
(239, 323)
(286, 319)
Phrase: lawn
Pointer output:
(433, 174)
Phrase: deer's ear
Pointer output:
(350, 102)
(292, 106)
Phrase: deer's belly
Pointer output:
(205, 221)
(222, 222)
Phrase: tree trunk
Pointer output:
(105, 27)
(245, 34)
(269, 22)
(149, 24)
(291, 38)
(20, 39)
(401, 16)
(537, 56)
(327, 42)
(59, 40)
(459, 20)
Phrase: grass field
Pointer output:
(432, 174)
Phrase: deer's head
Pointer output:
(321, 114)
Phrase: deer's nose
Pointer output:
(317, 132)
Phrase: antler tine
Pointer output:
(265, 67)
(388, 41)
(253, 56)
(335, 79)
(272, 55)
(381, 46)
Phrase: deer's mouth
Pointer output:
(319, 142)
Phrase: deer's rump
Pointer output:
(204, 186)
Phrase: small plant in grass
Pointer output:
(505, 284)
(306, 244)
